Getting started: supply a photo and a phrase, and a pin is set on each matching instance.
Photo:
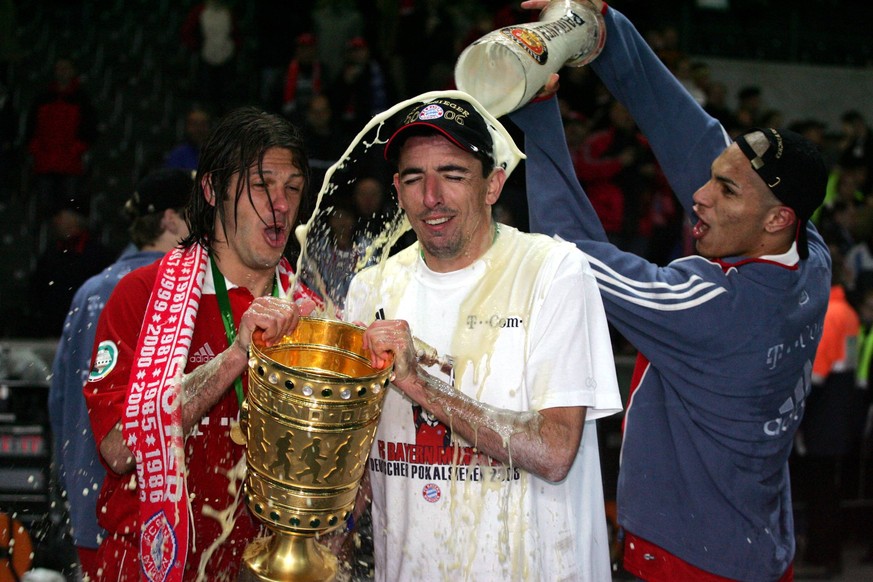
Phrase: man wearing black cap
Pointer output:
(485, 463)
(726, 338)
(156, 226)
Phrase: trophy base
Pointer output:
(284, 558)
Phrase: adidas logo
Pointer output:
(203, 355)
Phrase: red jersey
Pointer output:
(210, 454)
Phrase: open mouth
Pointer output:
(275, 235)
(699, 230)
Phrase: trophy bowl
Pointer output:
(308, 421)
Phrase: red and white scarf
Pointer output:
(152, 424)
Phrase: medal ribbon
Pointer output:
(227, 317)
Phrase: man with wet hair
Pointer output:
(170, 359)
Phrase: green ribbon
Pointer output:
(227, 316)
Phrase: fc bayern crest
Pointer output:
(431, 493)
(432, 111)
(157, 547)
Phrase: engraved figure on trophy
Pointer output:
(308, 421)
(283, 454)
(342, 454)
(310, 456)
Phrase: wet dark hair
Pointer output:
(237, 142)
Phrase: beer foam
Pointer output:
(366, 150)
(226, 517)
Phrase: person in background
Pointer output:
(61, 128)
(750, 105)
(211, 31)
(73, 254)
(278, 22)
(186, 154)
(304, 78)
(726, 337)
(361, 88)
(857, 141)
(156, 226)
(864, 411)
(826, 432)
(334, 23)
(620, 174)
(227, 279)
(324, 136)
(336, 256)
(368, 197)
(812, 129)
(717, 106)
(684, 72)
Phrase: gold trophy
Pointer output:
(308, 422)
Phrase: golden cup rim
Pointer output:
(262, 351)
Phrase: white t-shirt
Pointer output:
(526, 329)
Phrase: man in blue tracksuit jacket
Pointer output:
(726, 339)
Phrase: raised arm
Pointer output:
(557, 203)
(683, 136)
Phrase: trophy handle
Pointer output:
(239, 430)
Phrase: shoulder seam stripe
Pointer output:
(664, 306)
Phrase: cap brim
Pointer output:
(391, 155)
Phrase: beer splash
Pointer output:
(334, 248)
(320, 266)
(225, 517)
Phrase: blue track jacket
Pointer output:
(729, 344)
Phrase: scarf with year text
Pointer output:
(152, 425)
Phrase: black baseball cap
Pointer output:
(794, 170)
(456, 119)
(160, 190)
